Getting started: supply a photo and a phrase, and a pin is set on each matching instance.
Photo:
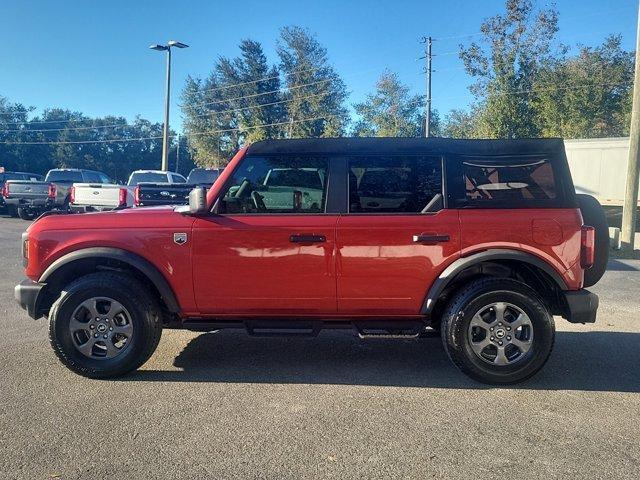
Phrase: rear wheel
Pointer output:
(104, 325)
(26, 214)
(498, 331)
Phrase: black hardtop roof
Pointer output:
(408, 146)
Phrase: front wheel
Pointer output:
(498, 331)
(104, 325)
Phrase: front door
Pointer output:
(396, 237)
(270, 250)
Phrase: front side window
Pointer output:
(508, 181)
(281, 184)
(394, 184)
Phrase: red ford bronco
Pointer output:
(484, 240)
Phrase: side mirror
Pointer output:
(198, 201)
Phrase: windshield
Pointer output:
(202, 176)
(147, 177)
(70, 176)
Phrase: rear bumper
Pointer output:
(28, 294)
(29, 202)
(582, 306)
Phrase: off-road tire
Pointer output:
(472, 298)
(140, 303)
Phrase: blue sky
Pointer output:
(94, 57)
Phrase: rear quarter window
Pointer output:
(505, 182)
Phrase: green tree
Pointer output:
(315, 92)
(389, 112)
(461, 123)
(505, 64)
(588, 95)
(239, 102)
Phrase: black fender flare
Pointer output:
(462, 263)
(136, 261)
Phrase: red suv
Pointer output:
(484, 240)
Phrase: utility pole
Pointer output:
(427, 107)
(630, 209)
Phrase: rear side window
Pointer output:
(508, 182)
(394, 184)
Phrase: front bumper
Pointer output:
(28, 294)
(582, 306)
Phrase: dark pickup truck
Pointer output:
(30, 198)
(4, 177)
(173, 189)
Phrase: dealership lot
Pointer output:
(230, 406)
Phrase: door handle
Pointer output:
(307, 238)
(430, 238)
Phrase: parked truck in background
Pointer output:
(30, 199)
(4, 177)
(156, 187)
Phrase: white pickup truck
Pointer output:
(94, 197)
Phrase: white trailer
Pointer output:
(599, 167)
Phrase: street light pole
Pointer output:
(165, 130)
(167, 100)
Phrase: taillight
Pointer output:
(587, 247)
(5, 190)
(52, 191)
(136, 196)
(72, 195)
(122, 198)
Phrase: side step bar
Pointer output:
(309, 328)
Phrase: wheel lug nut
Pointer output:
(92, 326)
(104, 336)
(491, 329)
(492, 339)
(111, 328)
(499, 343)
(508, 338)
(509, 328)
(95, 335)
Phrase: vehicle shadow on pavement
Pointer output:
(591, 361)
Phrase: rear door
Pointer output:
(269, 251)
(396, 236)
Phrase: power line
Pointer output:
(283, 89)
(263, 79)
(27, 130)
(78, 142)
(261, 105)
(210, 132)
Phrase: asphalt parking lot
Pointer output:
(227, 405)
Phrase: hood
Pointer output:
(138, 218)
